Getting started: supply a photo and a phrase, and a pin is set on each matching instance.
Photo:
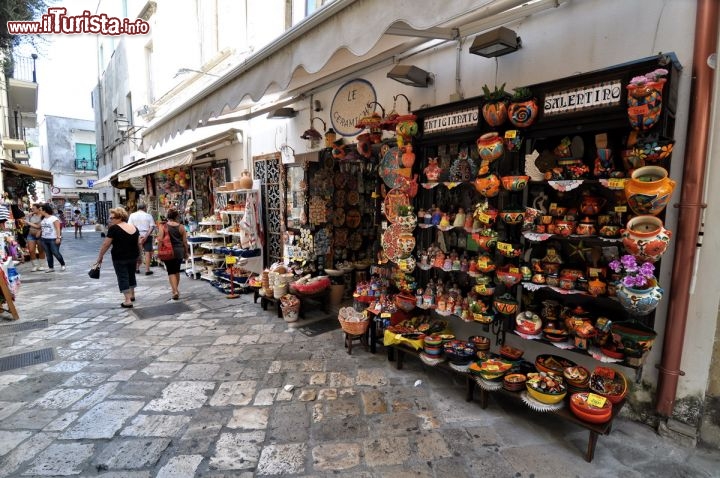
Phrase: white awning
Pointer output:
(106, 181)
(139, 170)
(331, 42)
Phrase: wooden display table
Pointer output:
(398, 352)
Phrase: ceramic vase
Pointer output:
(495, 113)
(523, 113)
(645, 104)
(490, 147)
(639, 301)
(649, 190)
(408, 157)
(646, 238)
(245, 180)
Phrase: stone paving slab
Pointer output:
(203, 393)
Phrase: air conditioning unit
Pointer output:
(79, 182)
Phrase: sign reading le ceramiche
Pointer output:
(352, 102)
(599, 95)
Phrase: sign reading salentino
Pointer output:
(467, 118)
(584, 98)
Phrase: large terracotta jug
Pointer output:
(245, 180)
(649, 190)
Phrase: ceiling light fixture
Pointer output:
(410, 75)
(498, 42)
(282, 113)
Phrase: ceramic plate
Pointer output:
(389, 166)
(353, 198)
(355, 241)
(339, 198)
(339, 217)
(393, 200)
(352, 218)
(397, 242)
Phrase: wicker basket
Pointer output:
(348, 318)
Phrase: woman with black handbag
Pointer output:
(123, 238)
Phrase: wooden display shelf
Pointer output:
(398, 352)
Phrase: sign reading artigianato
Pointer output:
(584, 98)
(466, 118)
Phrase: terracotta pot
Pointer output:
(639, 301)
(649, 190)
(495, 113)
(646, 238)
(645, 104)
(592, 205)
(245, 180)
(522, 114)
(490, 147)
(488, 186)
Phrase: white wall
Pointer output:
(579, 37)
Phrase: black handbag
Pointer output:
(94, 271)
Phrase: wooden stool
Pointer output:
(350, 338)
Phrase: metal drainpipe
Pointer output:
(706, 31)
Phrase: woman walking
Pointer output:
(178, 239)
(35, 248)
(123, 238)
(51, 237)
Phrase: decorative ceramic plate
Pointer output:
(353, 198)
(389, 166)
(340, 239)
(322, 242)
(393, 200)
(355, 241)
(339, 217)
(339, 180)
(339, 198)
(397, 242)
(352, 218)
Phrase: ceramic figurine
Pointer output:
(436, 216)
(445, 220)
(459, 218)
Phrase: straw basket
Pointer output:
(352, 322)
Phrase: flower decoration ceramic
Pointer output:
(638, 292)
(645, 99)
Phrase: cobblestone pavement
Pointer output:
(203, 393)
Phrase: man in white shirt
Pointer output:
(145, 225)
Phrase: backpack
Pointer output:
(165, 248)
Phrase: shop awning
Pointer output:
(106, 181)
(23, 170)
(330, 42)
(181, 159)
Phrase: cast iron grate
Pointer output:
(32, 325)
(26, 359)
(171, 308)
(319, 327)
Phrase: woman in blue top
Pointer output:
(123, 238)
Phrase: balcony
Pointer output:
(22, 93)
(86, 165)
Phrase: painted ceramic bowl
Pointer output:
(547, 388)
(515, 183)
(553, 364)
(514, 382)
(505, 304)
(512, 217)
(509, 275)
(510, 250)
(609, 383)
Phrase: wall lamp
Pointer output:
(498, 42)
(282, 113)
(411, 75)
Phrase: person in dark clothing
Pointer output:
(123, 238)
(178, 239)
